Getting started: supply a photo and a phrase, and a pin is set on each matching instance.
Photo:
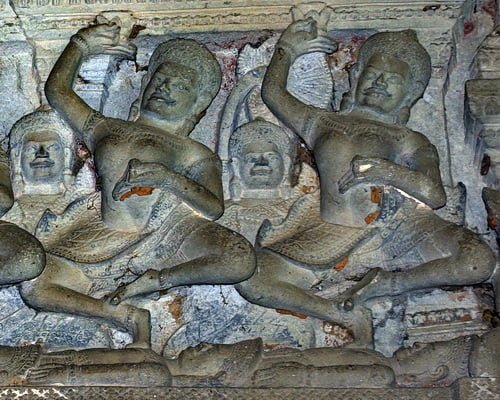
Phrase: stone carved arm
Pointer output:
(298, 39)
(419, 177)
(200, 187)
(88, 41)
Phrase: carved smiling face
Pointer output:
(383, 84)
(261, 166)
(42, 157)
(171, 93)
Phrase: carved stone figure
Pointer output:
(262, 168)
(246, 364)
(23, 256)
(6, 196)
(160, 189)
(379, 182)
(43, 160)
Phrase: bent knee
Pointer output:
(33, 294)
(242, 255)
(24, 256)
(479, 258)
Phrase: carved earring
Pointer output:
(234, 180)
(403, 116)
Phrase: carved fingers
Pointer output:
(103, 39)
(147, 283)
(302, 37)
(362, 170)
(45, 374)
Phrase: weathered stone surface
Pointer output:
(18, 82)
(243, 35)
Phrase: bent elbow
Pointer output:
(214, 210)
(268, 94)
(437, 198)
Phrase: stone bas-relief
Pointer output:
(160, 190)
(362, 151)
(366, 244)
(245, 364)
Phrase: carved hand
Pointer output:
(363, 170)
(145, 284)
(103, 39)
(302, 37)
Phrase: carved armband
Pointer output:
(81, 43)
(284, 47)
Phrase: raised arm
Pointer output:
(96, 39)
(298, 39)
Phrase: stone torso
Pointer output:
(339, 140)
(121, 141)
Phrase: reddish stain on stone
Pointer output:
(468, 27)
(341, 264)
(307, 189)
(492, 221)
(376, 194)
(292, 313)
(490, 7)
(357, 39)
(175, 308)
(485, 165)
(135, 31)
(139, 191)
(465, 318)
(371, 217)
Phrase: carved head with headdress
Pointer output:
(234, 363)
(182, 80)
(261, 156)
(391, 74)
(42, 155)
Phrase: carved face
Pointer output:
(261, 166)
(171, 93)
(383, 84)
(42, 157)
(204, 359)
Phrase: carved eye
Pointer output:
(396, 80)
(181, 87)
(55, 147)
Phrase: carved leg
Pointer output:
(280, 285)
(216, 256)
(145, 374)
(471, 261)
(22, 256)
(56, 298)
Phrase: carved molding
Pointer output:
(464, 389)
(158, 16)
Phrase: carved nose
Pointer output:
(380, 81)
(262, 161)
(41, 153)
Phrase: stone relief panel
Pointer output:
(245, 183)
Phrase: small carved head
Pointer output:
(391, 74)
(41, 154)
(182, 80)
(210, 359)
(261, 158)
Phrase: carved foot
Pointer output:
(360, 322)
(139, 325)
(147, 283)
(375, 283)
